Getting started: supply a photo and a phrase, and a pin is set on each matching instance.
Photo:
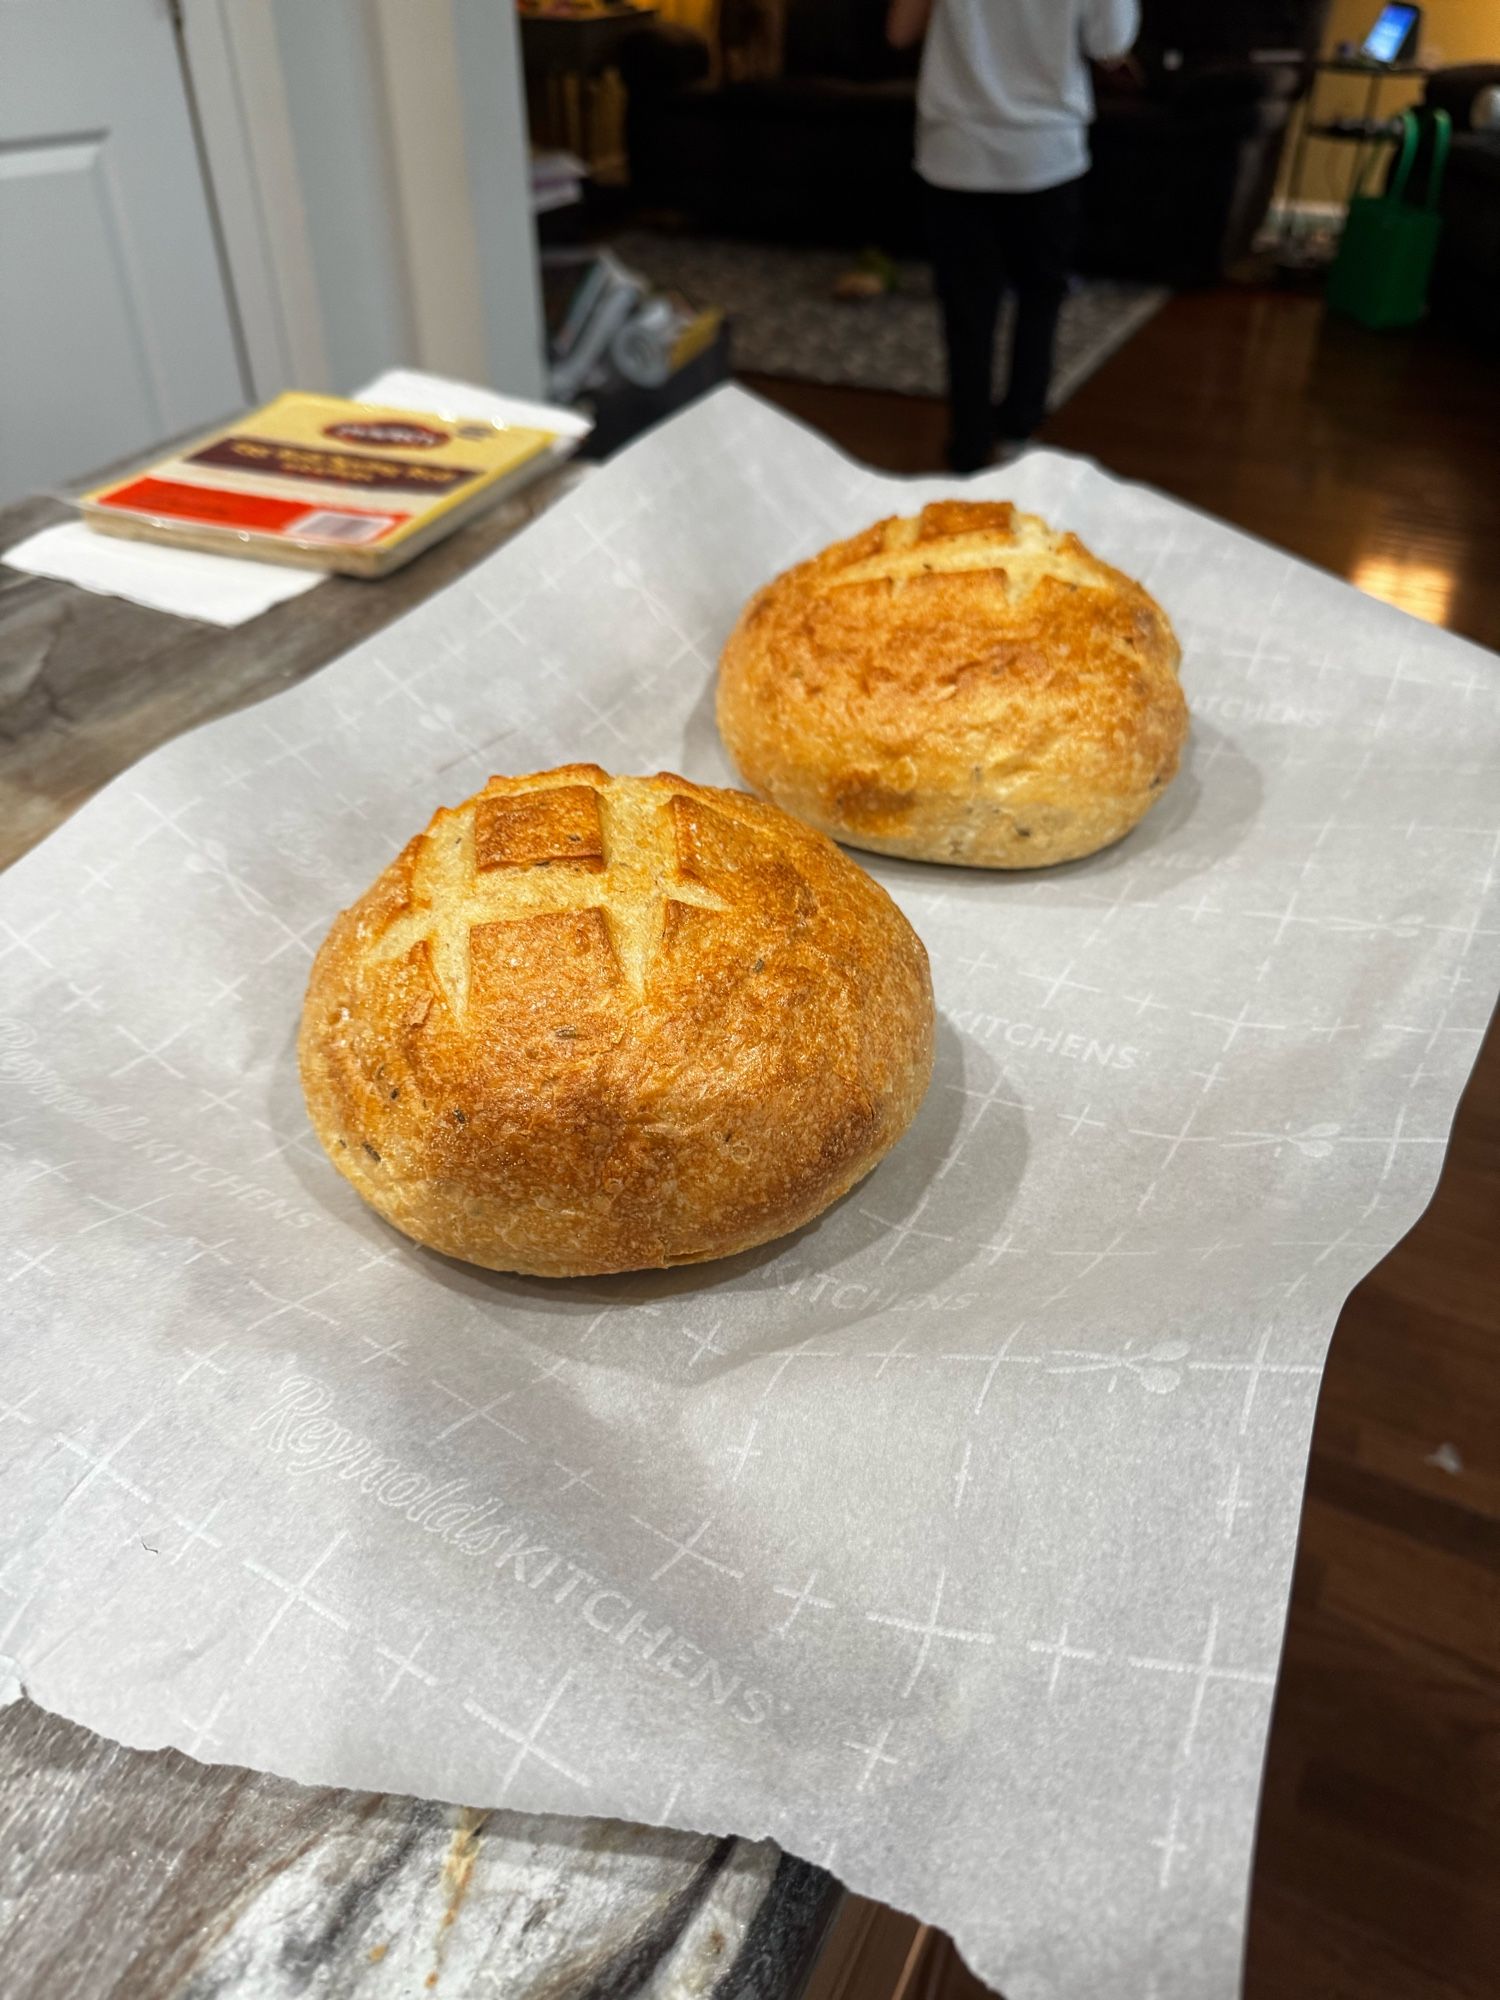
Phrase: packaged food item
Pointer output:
(324, 483)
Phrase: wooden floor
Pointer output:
(1378, 1866)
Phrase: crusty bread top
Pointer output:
(574, 988)
(969, 646)
(573, 889)
(580, 846)
(990, 541)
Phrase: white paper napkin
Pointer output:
(228, 590)
(414, 389)
(220, 590)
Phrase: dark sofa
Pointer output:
(1466, 276)
(1184, 157)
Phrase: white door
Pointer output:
(115, 326)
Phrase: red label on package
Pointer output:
(171, 497)
(258, 513)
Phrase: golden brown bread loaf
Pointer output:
(587, 1024)
(965, 686)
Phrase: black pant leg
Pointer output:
(969, 276)
(1038, 232)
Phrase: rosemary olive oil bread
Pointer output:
(587, 1023)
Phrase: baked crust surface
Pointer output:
(587, 1024)
(967, 685)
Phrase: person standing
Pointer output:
(1004, 102)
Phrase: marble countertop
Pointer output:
(145, 1875)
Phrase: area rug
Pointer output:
(785, 320)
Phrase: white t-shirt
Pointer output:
(1004, 98)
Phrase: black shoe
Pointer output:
(963, 459)
(1007, 430)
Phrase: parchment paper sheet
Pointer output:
(947, 1542)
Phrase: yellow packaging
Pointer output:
(322, 482)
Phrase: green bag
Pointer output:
(1385, 254)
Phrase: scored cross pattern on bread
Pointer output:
(969, 685)
(1017, 549)
(614, 845)
(586, 1023)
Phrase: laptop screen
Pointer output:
(1388, 38)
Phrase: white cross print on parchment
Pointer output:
(702, 1343)
(22, 1602)
(294, 1594)
(16, 1412)
(928, 1629)
(1174, 1143)
(897, 1351)
(527, 1743)
(1430, 1038)
(201, 1734)
(202, 1358)
(1090, 1260)
(158, 821)
(1058, 1650)
(389, 1350)
(1230, 1506)
(482, 1412)
(785, 1356)
(41, 1171)
(1110, 907)
(1077, 1121)
(195, 1532)
(405, 1665)
(961, 1477)
(996, 1361)
(280, 1307)
(1254, 1369)
(744, 1451)
(25, 941)
(302, 1141)
(1170, 1845)
(1058, 982)
(118, 1212)
(686, 1546)
(97, 878)
(1325, 1247)
(985, 1100)
(801, 1598)
(101, 1465)
(576, 1476)
(214, 1250)
(874, 1754)
(991, 1254)
(37, 1260)
(901, 1230)
(1202, 1672)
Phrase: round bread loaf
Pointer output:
(588, 1024)
(967, 686)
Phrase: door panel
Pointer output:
(115, 325)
